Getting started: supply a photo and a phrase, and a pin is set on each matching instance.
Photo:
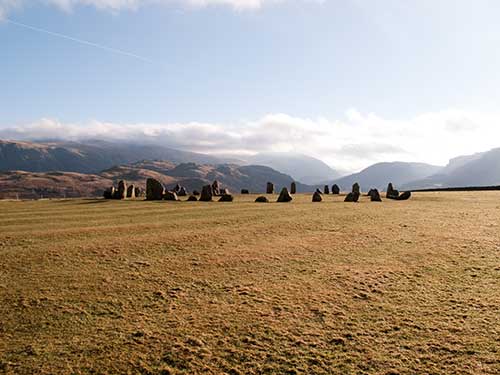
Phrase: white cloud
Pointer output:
(115, 5)
(350, 143)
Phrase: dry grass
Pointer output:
(92, 286)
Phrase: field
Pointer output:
(111, 287)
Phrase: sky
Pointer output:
(352, 82)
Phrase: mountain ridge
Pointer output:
(23, 184)
(378, 175)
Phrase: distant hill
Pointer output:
(481, 169)
(21, 184)
(87, 157)
(303, 168)
(380, 174)
(193, 176)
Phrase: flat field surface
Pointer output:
(111, 287)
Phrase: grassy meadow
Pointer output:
(136, 287)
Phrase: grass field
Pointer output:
(109, 287)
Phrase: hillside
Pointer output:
(87, 157)
(482, 169)
(303, 168)
(380, 174)
(21, 184)
(193, 176)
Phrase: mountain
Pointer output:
(29, 185)
(481, 169)
(193, 176)
(303, 168)
(87, 157)
(380, 174)
(22, 184)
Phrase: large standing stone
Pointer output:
(182, 192)
(352, 197)
(326, 189)
(170, 196)
(335, 189)
(404, 196)
(270, 188)
(375, 196)
(261, 199)
(226, 198)
(206, 193)
(355, 188)
(121, 192)
(154, 190)
(317, 197)
(109, 193)
(284, 196)
(215, 188)
(391, 193)
(293, 188)
(131, 191)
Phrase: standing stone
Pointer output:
(352, 197)
(154, 190)
(317, 197)
(196, 192)
(355, 188)
(245, 191)
(177, 188)
(109, 193)
(326, 189)
(131, 191)
(215, 188)
(293, 188)
(261, 199)
(206, 193)
(121, 192)
(404, 196)
(284, 196)
(192, 198)
(318, 191)
(224, 191)
(170, 196)
(375, 196)
(391, 193)
(335, 189)
(226, 198)
(182, 192)
(270, 188)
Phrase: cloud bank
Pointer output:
(350, 143)
(7, 6)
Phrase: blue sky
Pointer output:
(231, 65)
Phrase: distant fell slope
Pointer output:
(192, 176)
(303, 168)
(87, 157)
(31, 185)
(380, 174)
(482, 169)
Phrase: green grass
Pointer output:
(105, 287)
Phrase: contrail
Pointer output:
(80, 41)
